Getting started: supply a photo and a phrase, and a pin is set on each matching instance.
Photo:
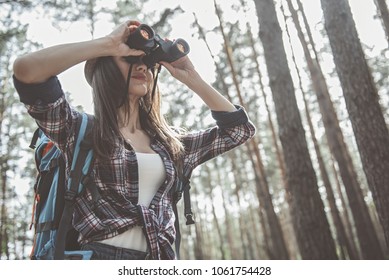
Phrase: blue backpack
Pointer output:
(54, 236)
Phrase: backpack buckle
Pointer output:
(177, 196)
(70, 195)
(189, 219)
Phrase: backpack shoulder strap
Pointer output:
(182, 187)
(34, 139)
(81, 166)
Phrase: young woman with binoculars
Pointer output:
(137, 154)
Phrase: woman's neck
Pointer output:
(130, 123)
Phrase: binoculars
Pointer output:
(156, 49)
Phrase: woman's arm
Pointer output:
(184, 71)
(39, 66)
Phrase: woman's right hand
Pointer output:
(37, 67)
(119, 37)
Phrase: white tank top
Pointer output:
(152, 173)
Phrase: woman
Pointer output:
(137, 154)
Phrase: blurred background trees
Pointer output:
(312, 184)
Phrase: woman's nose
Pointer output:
(141, 67)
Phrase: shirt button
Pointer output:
(152, 206)
(166, 182)
(148, 225)
(164, 158)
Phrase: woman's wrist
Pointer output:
(194, 81)
(104, 46)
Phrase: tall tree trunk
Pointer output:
(361, 98)
(3, 160)
(5, 188)
(253, 219)
(366, 234)
(383, 12)
(343, 241)
(307, 209)
(267, 240)
(229, 226)
(250, 241)
(225, 89)
(3, 213)
(250, 146)
(185, 250)
(91, 15)
(346, 213)
(23, 233)
(243, 225)
(218, 228)
(278, 241)
(270, 121)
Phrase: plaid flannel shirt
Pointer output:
(116, 209)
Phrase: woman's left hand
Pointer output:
(182, 69)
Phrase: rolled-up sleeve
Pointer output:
(230, 119)
(42, 93)
(232, 129)
(47, 104)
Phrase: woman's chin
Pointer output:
(139, 91)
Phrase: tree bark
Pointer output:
(366, 234)
(361, 98)
(307, 209)
(343, 241)
(346, 217)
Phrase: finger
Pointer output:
(132, 22)
(167, 65)
(132, 27)
(135, 52)
(179, 61)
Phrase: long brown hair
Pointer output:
(110, 95)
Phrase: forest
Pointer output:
(313, 183)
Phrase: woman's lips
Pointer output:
(139, 77)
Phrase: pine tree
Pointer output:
(360, 93)
(315, 242)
